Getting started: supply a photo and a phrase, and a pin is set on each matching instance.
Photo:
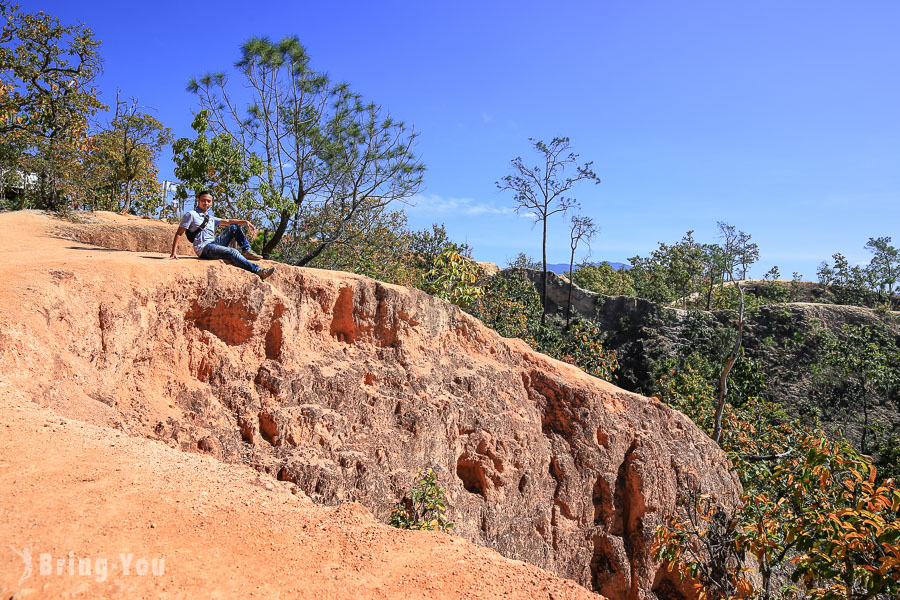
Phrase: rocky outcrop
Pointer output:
(136, 519)
(346, 387)
(780, 338)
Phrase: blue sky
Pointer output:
(781, 118)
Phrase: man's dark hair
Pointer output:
(206, 193)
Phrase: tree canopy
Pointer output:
(329, 158)
(47, 97)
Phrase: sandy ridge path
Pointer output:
(223, 531)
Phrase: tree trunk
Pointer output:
(865, 427)
(723, 380)
(544, 279)
(127, 208)
(283, 221)
(569, 301)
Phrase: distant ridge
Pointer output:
(561, 268)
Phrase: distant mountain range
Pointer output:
(559, 269)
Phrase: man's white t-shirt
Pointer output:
(192, 220)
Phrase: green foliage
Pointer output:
(862, 365)
(430, 243)
(648, 276)
(888, 461)
(603, 279)
(381, 250)
(121, 163)
(773, 291)
(218, 164)
(581, 345)
(47, 97)
(423, 507)
(454, 278)
(745, 380)
(863, 285)
(885, 266)
(329, 158)
(689, 388)
(523, 261)
(693, 273)
(811, 505)
(510, 305)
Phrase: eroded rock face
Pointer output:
(644, 334)
(347, 387)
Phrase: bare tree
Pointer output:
(583, 228)
(540, 191)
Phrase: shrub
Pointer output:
(454, 278)
(510, 305)
(423, 507)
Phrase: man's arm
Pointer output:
(178, 234)
(227, 222)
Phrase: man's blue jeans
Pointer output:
(219, 249)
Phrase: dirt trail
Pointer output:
(223, 531)
(73, 489)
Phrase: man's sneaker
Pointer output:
(251, 255)
(265, 273)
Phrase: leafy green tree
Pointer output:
(671, 271)
(649, 276)
(747, 253)
(329, 158)
(47, 96)
(217, 164)
(825, 273)
(841, 269)
(426, 244)
(540, 191)
(713, 259)
(888, 460)
(885, 265)
(523, 261)
(126, 153)
(864, 365)
(582, 346)
(685, 266)
(774, 291)
(863, 286)
(603, 279)
(796, 279)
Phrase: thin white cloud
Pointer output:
(487, 117)
(436, 204)
(528, 215)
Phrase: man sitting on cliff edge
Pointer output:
(207, 246)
